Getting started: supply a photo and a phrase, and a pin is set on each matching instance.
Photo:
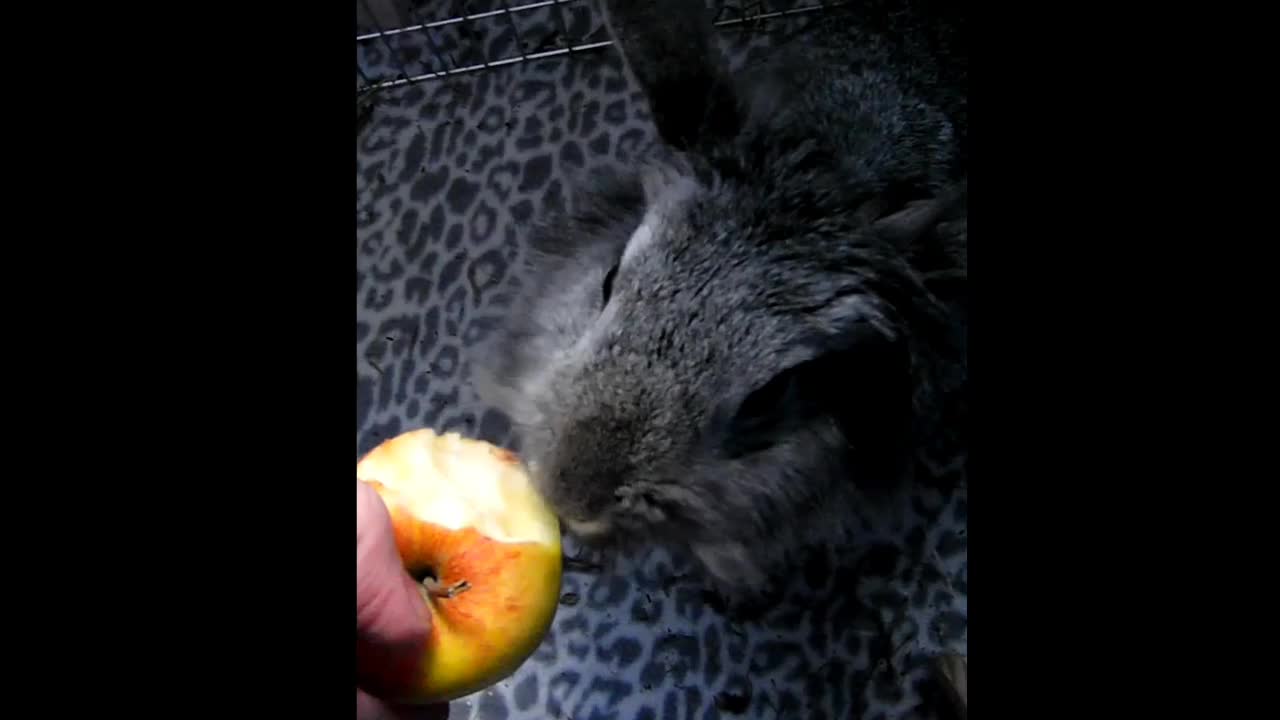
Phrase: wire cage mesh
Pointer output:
(402, 42)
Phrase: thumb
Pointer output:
(392, 620)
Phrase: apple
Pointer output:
(469, 524)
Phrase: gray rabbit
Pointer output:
(756, 337)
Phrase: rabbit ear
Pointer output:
(668, 47)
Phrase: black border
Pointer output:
(1065, 251)
(243, 580)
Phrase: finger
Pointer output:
(392, 621)
(388, 603)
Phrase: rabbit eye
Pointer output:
(768, 411)
(763, 407)
(608, 283)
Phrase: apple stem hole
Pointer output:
(434, 588)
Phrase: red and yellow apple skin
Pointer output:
(465, 511)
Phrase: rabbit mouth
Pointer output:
(587, 529)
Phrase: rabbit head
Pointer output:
(714, 347)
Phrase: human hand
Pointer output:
(392, 621)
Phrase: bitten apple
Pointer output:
(469, 523)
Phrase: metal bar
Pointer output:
(477, 48)
(464, 18)
(544, 3)
(495, 63)
(778, 14)
(558, 11)
(404, 72)
(508, 10)
(444, 59)
(515, 29)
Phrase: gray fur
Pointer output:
(769, 251)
